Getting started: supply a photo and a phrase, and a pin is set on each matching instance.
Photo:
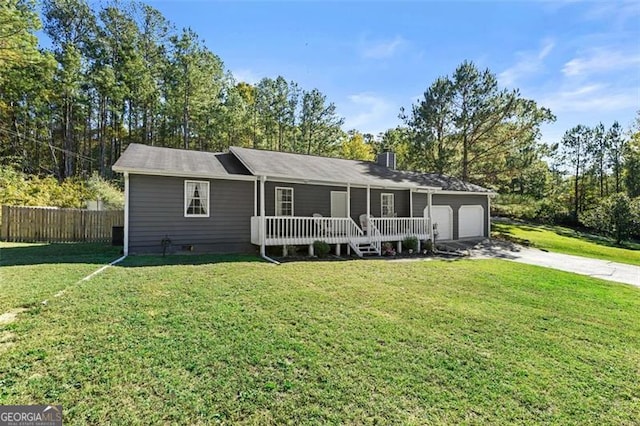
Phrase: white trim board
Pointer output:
(152, 172)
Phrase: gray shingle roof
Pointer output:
(273, 164)
(153, 159)
(324, 169)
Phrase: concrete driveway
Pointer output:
(611, 271)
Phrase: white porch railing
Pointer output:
(397, 228)
(294, 230)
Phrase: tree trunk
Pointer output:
(576, 190)
(68, 139)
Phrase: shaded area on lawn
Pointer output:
(187, 259)
(12, 254)
(566, 240)
(505, 228)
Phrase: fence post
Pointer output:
(5, 222)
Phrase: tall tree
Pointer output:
(575, 144)
(319, 124)
(71, 25)
(616, 145)
(467, 119)
(154, 33)
(25, 85)
(433, 146)
(195, 79)
(632, 166)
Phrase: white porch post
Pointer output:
(429, 203)
(125, 248)
(255, 198)
(368, 210)
(348, 200)
(410, 202)
(262, 217)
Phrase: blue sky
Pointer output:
(581, 59)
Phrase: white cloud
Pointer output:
(590, 98)
(382, 49)
(617, 11)
(246, 75)
(601, 60)
(370, 113)
(529, 63)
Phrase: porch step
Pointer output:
(365, 249)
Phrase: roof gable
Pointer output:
(158, 160)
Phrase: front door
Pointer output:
(339, 204)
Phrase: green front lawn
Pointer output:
(234, 340)
(569, 241)
(31, 273)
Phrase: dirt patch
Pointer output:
(9, 317)
(7, 340)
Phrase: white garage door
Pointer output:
(470, 221)
(443, 216)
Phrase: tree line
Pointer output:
(122, 73)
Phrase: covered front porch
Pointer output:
(291, 214)
(294, 231)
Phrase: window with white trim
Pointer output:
(284, 201)
(196, 198)
(386, 203)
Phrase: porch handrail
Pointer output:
(401, 226)
(374, 235)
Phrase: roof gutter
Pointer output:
(155, 172)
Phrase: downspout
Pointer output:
(489, 216)
(429, 204)
(263, 221)
(125, 249)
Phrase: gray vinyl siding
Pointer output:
(157, 210)
(455, 201)
(310, 199)
(419, 204)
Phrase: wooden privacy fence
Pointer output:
(47, 224)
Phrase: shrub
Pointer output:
(410, 243)
(611, 216)
(321, 248)
(551, 211)
(108, 192)
(388, 249)
(428, 246)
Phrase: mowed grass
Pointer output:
(31, 273)
(569, 241)
(234, 340)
